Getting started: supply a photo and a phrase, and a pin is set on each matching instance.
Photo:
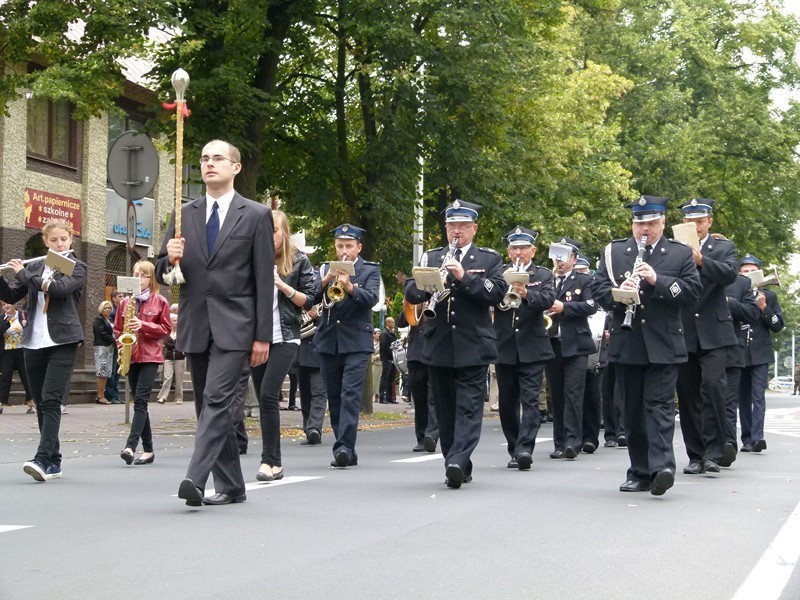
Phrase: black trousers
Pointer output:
(313, 397)
(753, 402)
(112, 383)
(12, 359)
(458, 396)
(734, 376)
(613, 423)
(649, 393)
(141, 377)
(268, 381)
(702, 393)
(425, 422)
(592, 406)
(518, 387)
(344, 376)
(49, 370)
(567, 377)
(386, 388)
(216, 378)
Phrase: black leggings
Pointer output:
(141, 377)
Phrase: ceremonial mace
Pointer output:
(180, 81)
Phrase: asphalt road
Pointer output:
(389, 529)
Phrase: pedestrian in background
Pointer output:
(174, 362)
(13, 358)
(103, 349)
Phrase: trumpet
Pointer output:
(430, 311)
(28, 261)
(512, 299)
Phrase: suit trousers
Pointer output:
(702, 393)
(458, 395)
(425, 423)
(519, 386)
(752, 402)
(344, 376)
(216, 378)
(386, 389)
(141, 377)
(592, 407)
(239, 403)
(613, 424)
(649, 393)
(49, 370)
(567, 377)
(734, 376)
(173, 372)
(313, 398)
(268, 381)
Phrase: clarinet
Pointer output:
(630, 312)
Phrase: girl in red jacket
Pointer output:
(150, 325)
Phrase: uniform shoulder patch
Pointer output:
(619, 241)
(488, 285)
(489, 250)
(675, 289)
(435, 249)
(374, 264)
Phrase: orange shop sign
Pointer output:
(41, 206)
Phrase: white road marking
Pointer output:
(261, 485)
(771, 574)
(538, 439)
(419, 459)
(5, 528)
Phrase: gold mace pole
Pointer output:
(180, 81)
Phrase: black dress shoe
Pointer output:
(729, 456)
(610, 444)
(314, 437)
(513, 464)
(220, 499)
(429, 443)
(759, 445)
(525, 461)
(190, 492)
(341, 458)
(710, 466)
(622, 441)
(588, 448)
(454, 475)
(634, 485)
(570, 453)
(663, 480)
(127, 456)
(145, 461)
(557, 454)
(747, 448)
(418, 448)
(693, 468)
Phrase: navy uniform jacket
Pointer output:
(573, 323)
(708, 324)
(347, 326)
(745, 312)
(462, 335)
(759, 349)
(521, 336)
(657, 333)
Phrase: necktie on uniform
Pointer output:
(458, 254)
(212, 227)
(648, 252)
(559, 284)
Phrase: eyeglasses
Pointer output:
(214, 160)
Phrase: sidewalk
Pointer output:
(98, 420)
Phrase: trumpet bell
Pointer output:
(335, 293)
(510, 301)
(548, 322)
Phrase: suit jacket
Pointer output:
(744, 310)
(461, 334)
(386, 340)
(347, 326)
(228, 294)
(573, 324)
(63, 323)
(708, 324)
(657, 333)
(759, 347)
(521, 336)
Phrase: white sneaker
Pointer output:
(64, 410)
(52, 472)
(35, 470)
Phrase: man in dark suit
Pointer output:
(708, 332)
(745, 312)
(647, 353)
(227, 256)
(459, 339)
(388, 369)
(758, 357)
(523, 348)
(572, 342)
(344, 338)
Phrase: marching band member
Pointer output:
(459, 338)
(758, 357)
(648, 346)
(707, 333)
(572, 343)
(150, 323)
(50, 340)
(523, 349)
(294, 290)
(344, 337)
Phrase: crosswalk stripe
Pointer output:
(260, 485)
(5, 528)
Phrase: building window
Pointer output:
(119, 124)
(52, 132)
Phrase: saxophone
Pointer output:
(127, 339)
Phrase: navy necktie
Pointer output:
(212, 227)
(458, 254)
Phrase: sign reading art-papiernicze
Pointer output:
(41, 206)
